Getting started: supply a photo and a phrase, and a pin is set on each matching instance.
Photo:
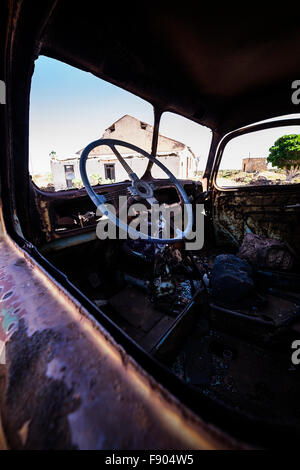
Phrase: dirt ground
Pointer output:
(241, 178)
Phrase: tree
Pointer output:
(95, 179)
(285, 154)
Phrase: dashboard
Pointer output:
(67, 213)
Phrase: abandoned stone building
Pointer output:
(176, 156)
(254, 164)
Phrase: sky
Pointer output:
(70, 108)
(256, 144)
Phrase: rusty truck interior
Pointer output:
(215, 325)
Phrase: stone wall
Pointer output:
(254, 164)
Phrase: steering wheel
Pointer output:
(139, 189)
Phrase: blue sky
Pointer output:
(70, 108)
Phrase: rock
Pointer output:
(267, 253)
(231, 279)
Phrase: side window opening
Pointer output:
(260, 158)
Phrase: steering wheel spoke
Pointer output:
(124, 164)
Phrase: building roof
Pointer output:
(131, 129)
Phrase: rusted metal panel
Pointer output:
(3, 444)
(67, 384)
(261, 211)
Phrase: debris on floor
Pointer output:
(266, 253)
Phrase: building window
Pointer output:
(143, 125)
(112, 128)
(70, 175)
(109, 171)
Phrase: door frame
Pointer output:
(213, 167)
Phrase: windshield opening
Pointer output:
(69, 109)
